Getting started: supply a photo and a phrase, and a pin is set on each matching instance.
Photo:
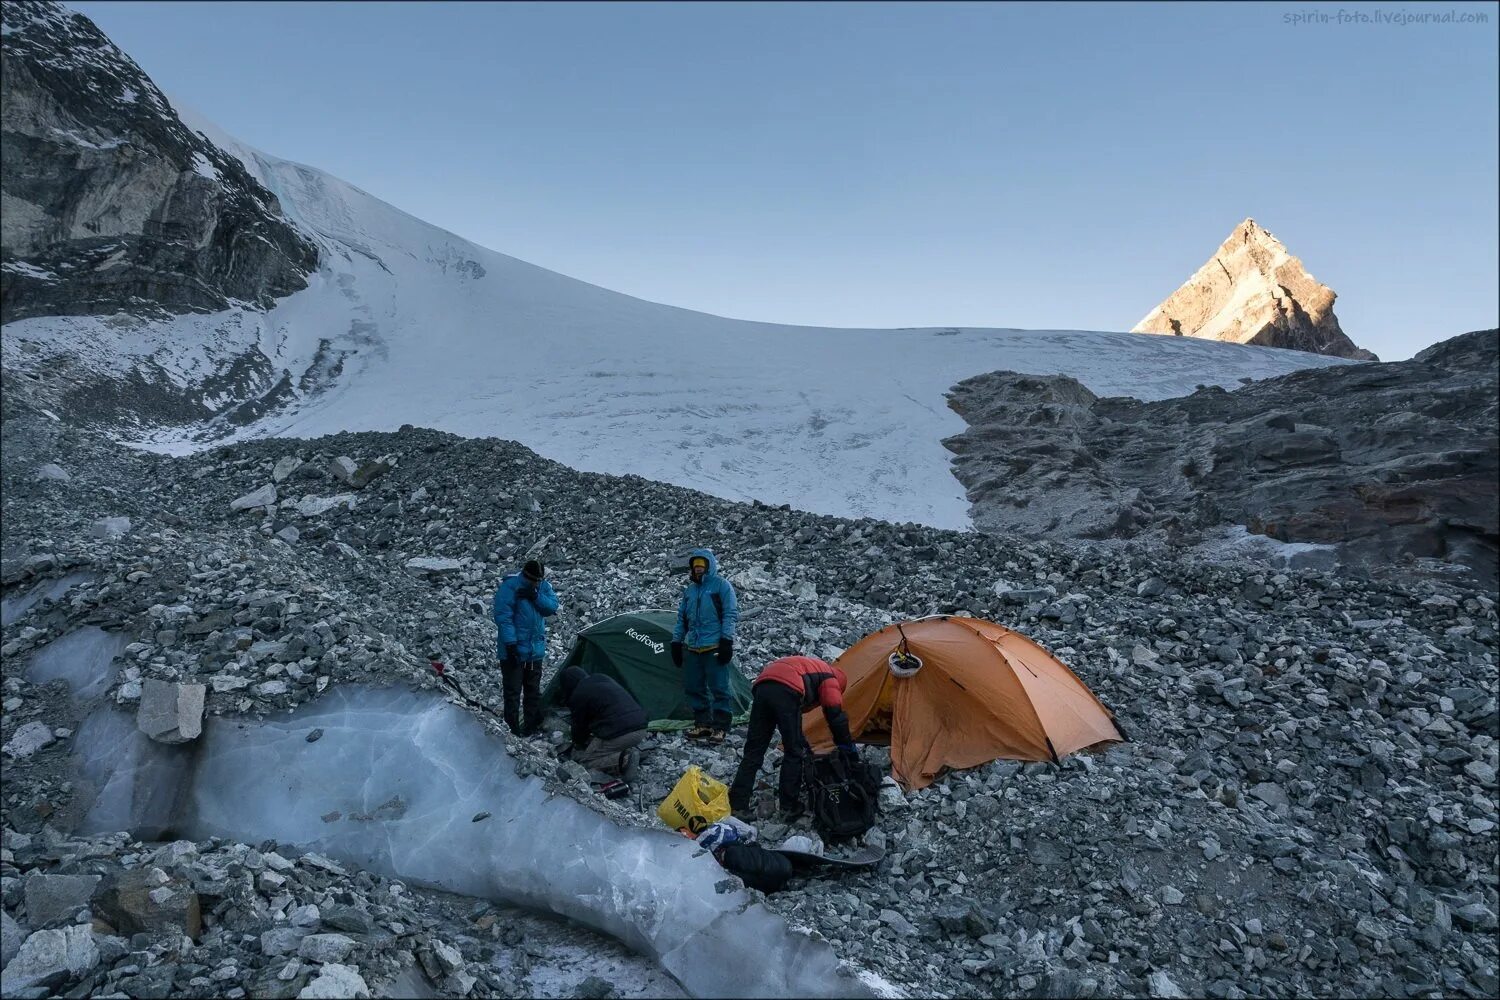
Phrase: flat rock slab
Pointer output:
(434, 565)
(53, 898)
(311, 506)
(262, 497)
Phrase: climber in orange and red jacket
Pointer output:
(784, 690)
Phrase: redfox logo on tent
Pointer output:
(646, 640)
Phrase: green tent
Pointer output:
(635, 649)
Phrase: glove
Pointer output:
(512, 654)
(676, 654)
(849, 752)
(526, 593)
(726, 650)
(718, 835)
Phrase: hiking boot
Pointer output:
(630, 764)
(697, 732)
(717, 737)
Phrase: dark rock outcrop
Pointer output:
(1387, 461)
(111, 204)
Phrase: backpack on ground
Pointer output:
(843, 797)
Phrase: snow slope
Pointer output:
(435, 331)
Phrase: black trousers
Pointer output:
(522, 687)
(773, 707)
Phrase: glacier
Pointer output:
(393, 786)
(405, 323)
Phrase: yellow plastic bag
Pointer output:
(695, 803)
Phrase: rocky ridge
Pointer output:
(113, 207)
(1307, 804)
(111, 203)
(1252, 291)
(1391, 463)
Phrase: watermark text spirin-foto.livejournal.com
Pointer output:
(1390, 17)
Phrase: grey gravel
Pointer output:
(1288, 764)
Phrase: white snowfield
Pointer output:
(449, 335)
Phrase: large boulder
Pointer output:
(325, 948)
(50, 958)
(147, 900)
(282, 940)
(360, 474)
(336, 982)
(284, 467)
(28, 739)
(170, 712)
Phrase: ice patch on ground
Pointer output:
(83, 659)
(12, 608)
(393, 786)
(128, 782)
(569, 965)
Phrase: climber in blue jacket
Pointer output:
(523, 603)
(703, 645)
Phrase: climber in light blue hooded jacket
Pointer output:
(703, 645)
(523, 602)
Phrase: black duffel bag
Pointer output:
(768, 871)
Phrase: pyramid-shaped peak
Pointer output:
(1253, 291)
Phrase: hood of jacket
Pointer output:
(713, 562)
(569, 681)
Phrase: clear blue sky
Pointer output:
(888, 164)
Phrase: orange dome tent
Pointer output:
(983, 692)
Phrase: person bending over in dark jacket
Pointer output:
(784, 690)
(608, 724)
